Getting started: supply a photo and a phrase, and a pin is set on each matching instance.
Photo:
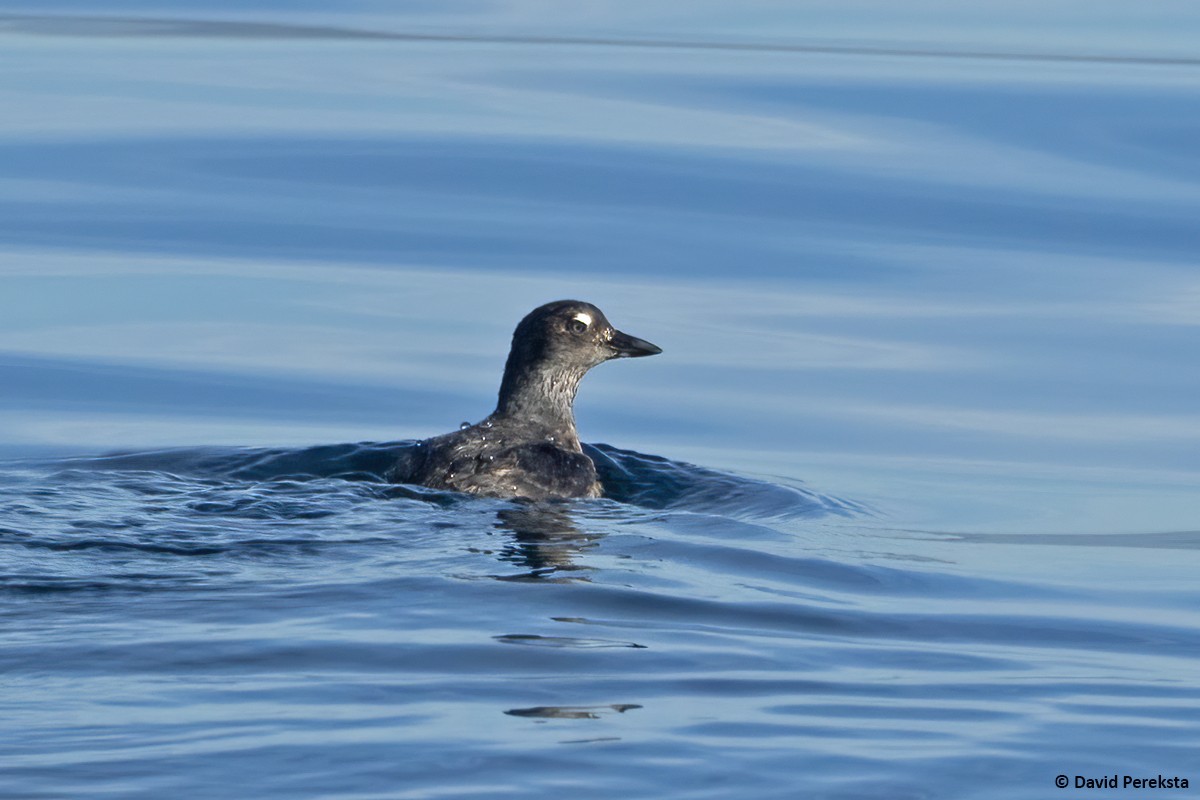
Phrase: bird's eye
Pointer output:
(577, 326)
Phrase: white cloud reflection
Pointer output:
(402, 325)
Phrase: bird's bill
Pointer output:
(632, 347)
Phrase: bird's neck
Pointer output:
(543, 399)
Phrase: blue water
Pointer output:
(907, 508)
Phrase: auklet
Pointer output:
(528, 447)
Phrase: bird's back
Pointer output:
(491, 461)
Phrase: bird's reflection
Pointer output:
(545, 541)
(571, 712)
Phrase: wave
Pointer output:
(636, 479)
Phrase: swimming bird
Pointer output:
(529, 447)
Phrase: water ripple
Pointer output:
(168, 27)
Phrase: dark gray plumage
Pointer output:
(529, 447)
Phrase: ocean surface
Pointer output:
(909, 506)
